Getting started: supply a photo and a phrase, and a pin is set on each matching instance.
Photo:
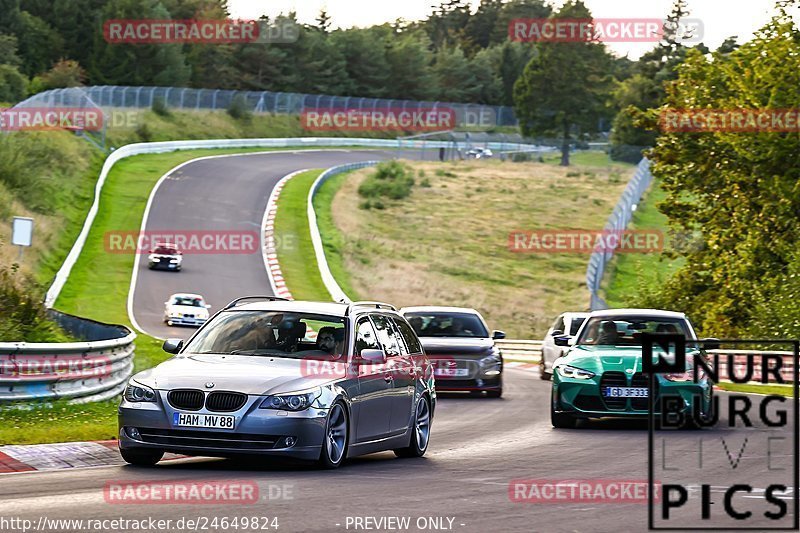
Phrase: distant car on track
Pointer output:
(567, 324)
(479, 153)
(461, 348)
(253, 381)
(165, 255)
(185, 309)
(601, 374)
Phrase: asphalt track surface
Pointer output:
(226, 194)
(478, 446)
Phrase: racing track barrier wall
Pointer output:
(95, 369)
(618, 221)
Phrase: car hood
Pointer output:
(254, 375)
(599, 359)
(457, 345)
(190, 309)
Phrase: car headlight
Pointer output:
(290, 402)
(175, 314)
(490, 360)
(139, 393)
(173, 260)
(566, 371)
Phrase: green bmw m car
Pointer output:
(601, 373)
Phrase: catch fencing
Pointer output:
(617, 222)
(113, 96)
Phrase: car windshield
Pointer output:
(188, 301)
(627, 331)
(274, 334)
(447, 325)
(166, 250)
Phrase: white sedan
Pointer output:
(184, 309)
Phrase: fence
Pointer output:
(112, 96)
(93, 370)
(618, 221)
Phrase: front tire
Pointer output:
(497, 393)
(141, 457)
(334, 445)
(543, 374)
(561, 420)
(420, 432)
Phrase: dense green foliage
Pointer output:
(736, 192)
(391, 180)
(453, 55)
(23, 317)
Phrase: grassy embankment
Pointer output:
(448, 242)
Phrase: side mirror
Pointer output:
(711, 343)
(208, 306)
(373, 356)
(172, 345)
(166, 303)
(497, 334)
(557, 333)
(561, 340)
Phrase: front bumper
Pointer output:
(466, 374)
(583, 398)
(164, 265)
(257, 431)
(186, 321)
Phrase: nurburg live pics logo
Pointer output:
(752, 484)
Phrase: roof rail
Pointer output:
(235, 302)
(368, 303)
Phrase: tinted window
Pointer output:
(365, 337)
(386, 335)
(575, 325)
(627, 331)
(447, 325)
(409, 336)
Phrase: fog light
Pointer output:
(134, 433)
(289, 442)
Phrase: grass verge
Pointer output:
(295, 251)
(781, 390)
(630, 275)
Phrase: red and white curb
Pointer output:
(43, 457)
(268, 244)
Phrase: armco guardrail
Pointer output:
(618, 221)
(94, 370)
(169, 146)
(522, 349)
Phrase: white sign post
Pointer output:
(22, 233)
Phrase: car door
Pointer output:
(373, 407)
(398, 368)
(406, 373)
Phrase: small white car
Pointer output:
(165, 255)
(566, 324)
(183, 309)
(480, 153)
